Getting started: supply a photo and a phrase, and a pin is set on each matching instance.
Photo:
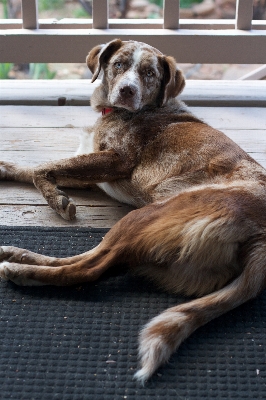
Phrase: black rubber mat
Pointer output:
(81, 342)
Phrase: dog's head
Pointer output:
(134, 75)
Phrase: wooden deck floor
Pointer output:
(35, 134)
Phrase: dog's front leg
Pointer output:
(89, 168)
(13, 172)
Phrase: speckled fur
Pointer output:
(200, 226)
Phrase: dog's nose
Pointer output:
(127, 91)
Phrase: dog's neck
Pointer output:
(106, 111)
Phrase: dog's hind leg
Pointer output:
(27, 268)
(164, 333)
(18, 255)
(60, 272)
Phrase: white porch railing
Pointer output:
(242, 40)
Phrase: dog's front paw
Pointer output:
(64, 205)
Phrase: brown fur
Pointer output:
(201, 224)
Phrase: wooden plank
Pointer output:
(67, 117)
(244, 12)
(44, 117)
(259, 73)
(26, 158)
(59, 140)
(77, 92)
(137, 23)
(171, 14)
(100, 14)
(32, 147)
(25, 194)
(224, 93)
(48, 140)
(29, 14)
(232, 117)
(27, 215)
(188, 46)
(24, 141)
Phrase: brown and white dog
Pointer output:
(200, 226)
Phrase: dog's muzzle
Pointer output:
(127, 92)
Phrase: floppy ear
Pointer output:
(173, 80)
(100, 55)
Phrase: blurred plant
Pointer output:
(183, 3)
(188, 3)
(81, 13)
(41, 71)
(5, 68)
(87, 6)
(50, 4)
(5, 9)
(157, 2)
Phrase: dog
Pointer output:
(199, 227)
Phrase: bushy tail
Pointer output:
(164, 333)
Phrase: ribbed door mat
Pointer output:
(81, 342)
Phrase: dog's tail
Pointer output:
(164, 333)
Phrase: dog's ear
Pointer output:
(100, 55)
(173, 80)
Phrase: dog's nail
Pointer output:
(72, 211)
(65, 202)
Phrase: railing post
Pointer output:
(244, 13)
(29, 14)
(100, 14)
(171, 14)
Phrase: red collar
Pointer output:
(106, 111)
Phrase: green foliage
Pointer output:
(188, 3)
(183, 3)
(5, 68)
(41, 71)
(50, 4)
(81, 13)
(157, 2)
(5, 12)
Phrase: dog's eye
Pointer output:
(118, 65)
(149, 73)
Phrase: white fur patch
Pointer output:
(137, 55)
(153, 349)
(113, 190)
(14, 273)
(86, 143)
(3, 171)
(3, 266)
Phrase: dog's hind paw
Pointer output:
(9, 253)
(19, 274)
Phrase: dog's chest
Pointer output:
(112, 189)
(86, 141)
